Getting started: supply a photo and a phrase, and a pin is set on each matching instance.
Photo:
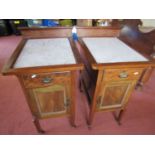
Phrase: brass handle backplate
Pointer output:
(123, 75)
(47, 80)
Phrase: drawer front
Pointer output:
(44, 79)
(122, 74)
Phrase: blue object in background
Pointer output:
(75, 37)
(74, 34)
(49, 23)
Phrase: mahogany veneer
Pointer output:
(108, 85)
(50, 89)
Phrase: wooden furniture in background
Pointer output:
(143, 42)
(47, 79)
(125, 22)
(132, 34)
(109, 84)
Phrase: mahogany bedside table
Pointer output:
(112, 69)
(46, 63)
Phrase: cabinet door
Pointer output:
(116, 87)
(51, 97)
(114, 94)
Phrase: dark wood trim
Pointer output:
(86, 58)
(86, 51)
(75, 51)
(150, 36)
(73, 98)
(47, 32)
(122, 65)
(43, 69)
(108, 31)
(67, 32)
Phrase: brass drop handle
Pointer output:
(123, 75)
(47, 80)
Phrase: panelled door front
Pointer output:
(114, 94)
(51, 97)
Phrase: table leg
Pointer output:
(72, 121)
(139, 86)
(119, 117)
(90, 120)
(73, 98)
(37, 124)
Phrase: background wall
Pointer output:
(148, 22)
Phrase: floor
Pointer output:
(15, 116)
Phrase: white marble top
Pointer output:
(44, 52)
(111, 49)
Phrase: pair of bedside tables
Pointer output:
(47, 60)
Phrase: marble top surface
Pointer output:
(111, 50)
(44, 52)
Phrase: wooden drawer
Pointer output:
(45, 79)
(122, 74)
